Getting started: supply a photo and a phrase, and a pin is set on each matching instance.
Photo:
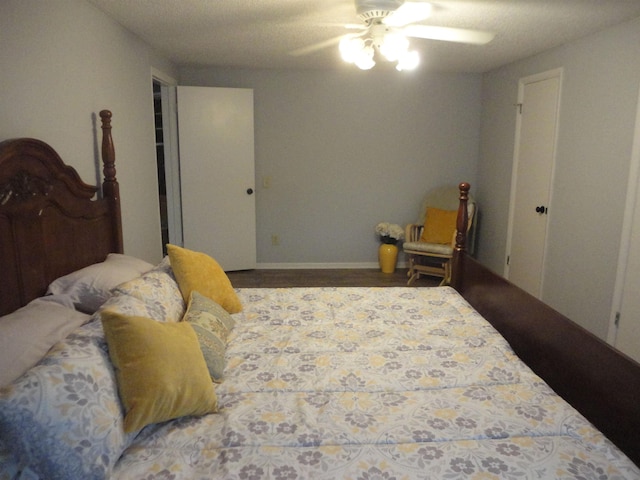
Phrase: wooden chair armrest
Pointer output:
(412, 232)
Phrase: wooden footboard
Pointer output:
(599, 381)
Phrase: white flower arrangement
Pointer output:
(389, 232)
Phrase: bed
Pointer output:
(473, 380)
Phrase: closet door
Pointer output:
(624, 329)
(217, 173)
(628, 335)
(534, 159)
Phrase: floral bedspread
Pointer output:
(374, 383)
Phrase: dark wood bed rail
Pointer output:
(48, 216)
(598, 380)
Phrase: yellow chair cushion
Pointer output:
(439, 226)
(198, 271)
(160, 370)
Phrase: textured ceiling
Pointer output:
(263, 33)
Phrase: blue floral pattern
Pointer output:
(358, 383)
(158, 292)
(63, 418)
(373, 384)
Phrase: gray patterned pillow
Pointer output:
(212, 324)
(89, 287)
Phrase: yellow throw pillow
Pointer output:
(160, 370)
(439, 226)
(198, 271)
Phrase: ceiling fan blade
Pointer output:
(409, 12)
(447, 34)
(348, 26)
(316, 46)
(354, 26)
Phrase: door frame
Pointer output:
(633, 191)
(522, 82)
(171, 157)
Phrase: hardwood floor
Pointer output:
(325, 278)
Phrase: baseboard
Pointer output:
(300, 266)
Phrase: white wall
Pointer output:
(346, 150)
(62, 62)
(597, 117)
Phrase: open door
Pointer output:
(164, 107)
(217, 171)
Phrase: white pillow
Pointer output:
(27, 334)
(89, 287)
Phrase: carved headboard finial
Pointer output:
(108, 151)
(462, 222)
(463, 219)
(110, 186)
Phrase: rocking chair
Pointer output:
(430, 241)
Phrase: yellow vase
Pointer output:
(387, 257)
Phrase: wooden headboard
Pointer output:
(51, 222)
(599, 381)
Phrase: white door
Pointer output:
(217, 173)
(538, 104)
(628, 336)
(624, 330)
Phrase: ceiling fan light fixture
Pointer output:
(365, 59)
(409, 61)
(387, 27)
(358, 51)
(394, 46)
(350, 48)
(368, 10)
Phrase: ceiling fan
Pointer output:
(386, 24)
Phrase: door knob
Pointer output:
(541, 209)
(249, 191)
